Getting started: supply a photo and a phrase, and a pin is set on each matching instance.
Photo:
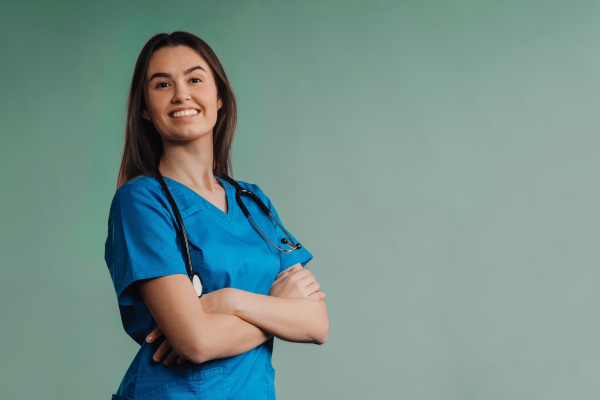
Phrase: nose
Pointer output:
(180, 94)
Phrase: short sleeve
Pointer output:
(302, 255)
(142, 240)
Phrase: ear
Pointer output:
(219, 104)
(145, 115)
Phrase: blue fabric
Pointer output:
(227, 251)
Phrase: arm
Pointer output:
(293, 311)
(194, 334)
(143, 242)
(296, 320)
(298, 323)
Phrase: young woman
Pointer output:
(180, 124)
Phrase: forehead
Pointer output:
(175, 60)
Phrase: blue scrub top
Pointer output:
(144, 242)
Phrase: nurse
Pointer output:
(180, 121)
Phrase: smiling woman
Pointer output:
(182, 104)
(180, 125)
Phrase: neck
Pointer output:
(189, 163)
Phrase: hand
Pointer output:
(163, 349)
(296, 282)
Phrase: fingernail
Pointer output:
(149, 338)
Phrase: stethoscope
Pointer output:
(239, 192)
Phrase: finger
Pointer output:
(317, 296)
(284, 272)
(154, 334)
(162, 351)
(277, 280)
(290, 270)
(300, 279)
(283, 275)
(307, 281)
(300, 274)
(170, 358)
(180, 360)
(313, 287)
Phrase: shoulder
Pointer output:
(139, 187)
(139, 195)
(139, 184)
(250, 186)
(254, 188)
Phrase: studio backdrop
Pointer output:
(438, 158)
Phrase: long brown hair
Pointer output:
(143, 146)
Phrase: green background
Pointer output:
(439, 158)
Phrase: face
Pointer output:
(181, 95)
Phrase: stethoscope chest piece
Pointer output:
(197, 284)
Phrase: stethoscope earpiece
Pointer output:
(294, 246)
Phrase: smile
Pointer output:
(184, 113)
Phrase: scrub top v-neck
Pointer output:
(143, 242)
(207, 205)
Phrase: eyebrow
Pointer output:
(166, 75)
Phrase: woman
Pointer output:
(180, 125)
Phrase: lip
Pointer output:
(183, 109)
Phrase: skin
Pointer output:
(293, 283)
(228, 321)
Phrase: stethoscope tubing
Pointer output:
(188, 258)
(239, 192)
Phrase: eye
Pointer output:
(161, 85)
(195, 80)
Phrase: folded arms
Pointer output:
(228, 322)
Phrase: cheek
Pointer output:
(155, 104)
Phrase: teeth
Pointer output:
(184, 113)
